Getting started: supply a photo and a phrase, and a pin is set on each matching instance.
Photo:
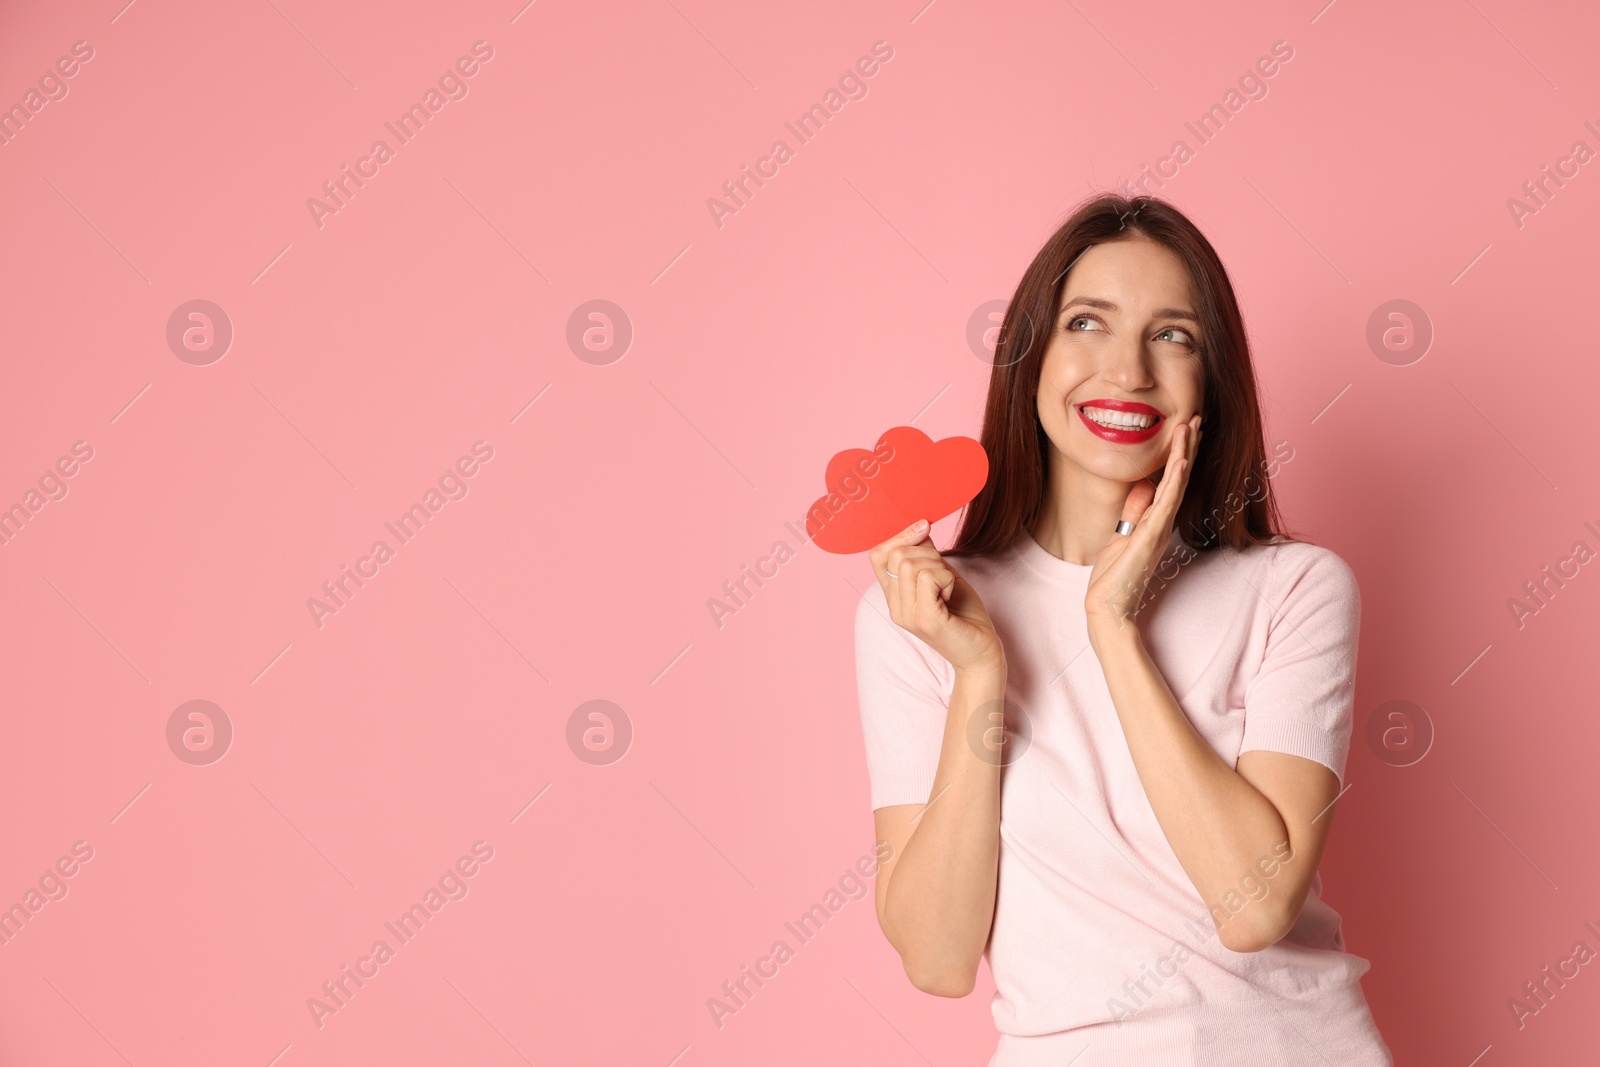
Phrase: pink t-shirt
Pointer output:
(1101, 945)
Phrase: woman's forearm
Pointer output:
(1218, 824)
(940, 902)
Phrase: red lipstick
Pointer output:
(1117, 435)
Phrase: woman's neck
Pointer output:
(1080, 513)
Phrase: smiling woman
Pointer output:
(1132, 816)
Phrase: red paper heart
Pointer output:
(873, 495)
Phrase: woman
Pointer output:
(1134, 841)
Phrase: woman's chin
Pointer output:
(1120, 464)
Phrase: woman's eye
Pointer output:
(1078, 318)
(1183, 337)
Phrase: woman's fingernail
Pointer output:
(919, 526)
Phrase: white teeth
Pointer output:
(1119, 420)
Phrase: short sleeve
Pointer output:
(904, 689)
(1301, 699)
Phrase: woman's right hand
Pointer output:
(929, 599)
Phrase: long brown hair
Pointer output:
(1220, 506)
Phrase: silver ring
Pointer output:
(896, 577)
(1124, 527)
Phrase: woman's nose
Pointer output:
(1129, 368)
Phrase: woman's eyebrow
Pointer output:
(1106, 305)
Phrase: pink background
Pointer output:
(372, 352)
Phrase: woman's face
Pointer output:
(1124, 350)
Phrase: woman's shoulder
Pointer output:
(881, 641)
(1287, 566)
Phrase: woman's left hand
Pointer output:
(1122, 572)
